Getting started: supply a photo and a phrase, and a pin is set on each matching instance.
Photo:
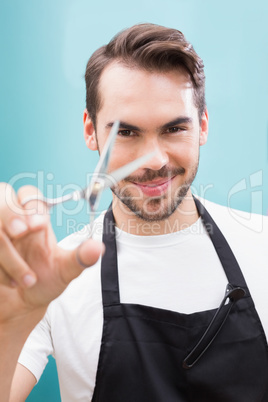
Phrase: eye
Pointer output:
(126, 133)
(174, 130)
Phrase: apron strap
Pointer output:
(225, 254)
(109, 271)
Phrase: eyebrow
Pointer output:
(124, 125)
(176, 122)
(179, 120)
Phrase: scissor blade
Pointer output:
(106, 152)
(119, 174)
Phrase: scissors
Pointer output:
(101, 179)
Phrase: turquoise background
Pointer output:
(45, 45)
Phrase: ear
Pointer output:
(89, 132)
(203, 128)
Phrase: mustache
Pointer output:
(149, 174)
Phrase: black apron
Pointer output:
(154, 355)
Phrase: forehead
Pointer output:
(123, 89)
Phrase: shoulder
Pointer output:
(247, 235)
(236, 222)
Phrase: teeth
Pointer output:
(152, 185)
(155, 185)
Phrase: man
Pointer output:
(150, 320)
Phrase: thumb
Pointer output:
(85, 255)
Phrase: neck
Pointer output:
(184, 216)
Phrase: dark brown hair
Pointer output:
(151, 47)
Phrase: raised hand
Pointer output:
(33, 269)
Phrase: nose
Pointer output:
(160, 157)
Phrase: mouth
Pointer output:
(154, 188)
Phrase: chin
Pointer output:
(152, 210)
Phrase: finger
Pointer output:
(13, 265)
(17, 220)
(36, 211)
(74, 261)
(12, 215)
(6, 280)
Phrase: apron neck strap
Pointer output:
(109, 270)
(225, 254)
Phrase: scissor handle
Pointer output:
(51, 202)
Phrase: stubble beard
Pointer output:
(156, 208)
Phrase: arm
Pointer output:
(33, 272)
(22, 384)
(12, 339)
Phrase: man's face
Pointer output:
(157, 113)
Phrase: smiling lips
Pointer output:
(154, 188)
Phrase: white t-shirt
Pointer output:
(179, 271)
